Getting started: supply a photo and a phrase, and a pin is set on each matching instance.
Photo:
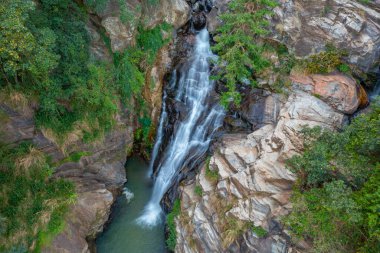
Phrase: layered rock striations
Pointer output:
(239, 196)
(246, 183)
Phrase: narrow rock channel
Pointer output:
(190, 118)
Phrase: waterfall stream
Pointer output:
(192, 134)
(159, 135)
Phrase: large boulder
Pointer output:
(86, 218)
(338, 90)
(120, 22)
(260, 107)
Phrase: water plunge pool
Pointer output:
(123, 235)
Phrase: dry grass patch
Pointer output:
(33, 158)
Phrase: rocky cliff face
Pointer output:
(123, 34)
(246, 183)
(99, 173)
(237, 199)
(99, 176)
(306, 27)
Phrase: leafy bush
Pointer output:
(326, 62)
(32, 205)
(171, 241)
(151, 40)
(25, 54)
(336, 199)
(129, 77)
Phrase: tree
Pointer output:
(240, 51)
(24, 54)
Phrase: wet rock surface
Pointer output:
(260, 107)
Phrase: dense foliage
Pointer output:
(45, 58)
(336, 200)
(240, 51)
(31, 204)
(44, 52)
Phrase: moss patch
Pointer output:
(171, 241)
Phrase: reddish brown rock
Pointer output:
(363, 97)
(340, 91)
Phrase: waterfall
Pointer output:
(159, 134)
(192, 135)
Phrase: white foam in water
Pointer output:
(128, 194)
(194, 132)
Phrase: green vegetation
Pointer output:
(32, 205)
(151, 40)
(233, 228)
(241, 53)
(198, 190)
(74, 157)
(170, 220)
(325, 62)
(336, 199)
(45, 58)
(366, 1)
(259, 231)
(211, 175)
(44, 53)
(97, 5)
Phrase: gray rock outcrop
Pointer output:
(253, 185)
(121, 22)
(306, 27)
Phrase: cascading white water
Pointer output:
(193, 134)
(160, 134)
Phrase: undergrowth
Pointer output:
(325, 62)
(32, 204)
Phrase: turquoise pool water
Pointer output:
(123, 235)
